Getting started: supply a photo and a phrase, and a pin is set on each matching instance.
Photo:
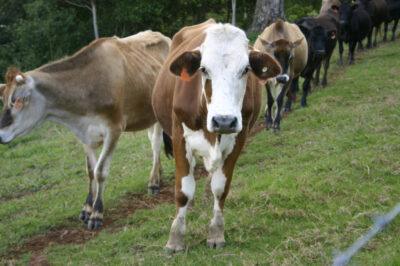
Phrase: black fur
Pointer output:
(168, 145)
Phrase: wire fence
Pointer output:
(380, 223)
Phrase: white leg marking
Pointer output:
(188, 186)
(155, 136)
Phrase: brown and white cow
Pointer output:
(207, 97)
(99, 92)
(288, 45)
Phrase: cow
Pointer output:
(394, 15)
(327, 4)
(207, 97)
(379, 13)
(288, 45)
(355, 25)
(321, 33)
(99, 92)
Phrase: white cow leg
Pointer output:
(90, 165)
(155, 136)
(100, 174)
(216, 237)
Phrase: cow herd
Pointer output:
(199, 93)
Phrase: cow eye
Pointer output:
(204, 70)
(245, 70)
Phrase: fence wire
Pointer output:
(344, 257)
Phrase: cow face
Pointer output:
(23, 107)
(224, 61)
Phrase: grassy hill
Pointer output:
(296, 197)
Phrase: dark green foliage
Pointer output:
(34, 32)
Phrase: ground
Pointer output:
(297, 197)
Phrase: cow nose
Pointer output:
(224, 124)
(342, 23)
(320, 52)
(282, 78)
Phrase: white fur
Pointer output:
(225, 55)
(213, 156)
(218, 181)
(188, 186)
(19, 78)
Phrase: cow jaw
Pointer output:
(225, 56)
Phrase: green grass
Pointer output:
(296, 197)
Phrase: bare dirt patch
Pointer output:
(62, 236)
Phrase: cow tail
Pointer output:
(167, 145)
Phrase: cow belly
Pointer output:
(213, 155)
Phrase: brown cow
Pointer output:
(208, 106)
(99, 92)
(288, 45)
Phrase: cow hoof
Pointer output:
(171, 249)
(95, 224)
(84, 216)
(215, 244)
(324, 83)
(153, 190)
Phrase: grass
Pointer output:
(296, 197)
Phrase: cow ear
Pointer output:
(266, 44)
(297, 43)
(263, 66)
(186, 64)
(2, 89)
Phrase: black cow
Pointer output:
(319, 49)
(394, 15)
(355, 24)
(379, 13)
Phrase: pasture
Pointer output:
(296, 197)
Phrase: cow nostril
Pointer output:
(233, 123)
(224, 123)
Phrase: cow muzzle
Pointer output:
(283, 79)
(224, 124)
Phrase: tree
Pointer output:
(233, 12)
(91, 6)
(266, 12)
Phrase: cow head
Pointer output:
(23, 107)
(283, 51)
(317, 37)
(224, 61)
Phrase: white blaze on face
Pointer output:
(225, 56)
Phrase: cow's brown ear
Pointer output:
(263, 66)
(186, 64)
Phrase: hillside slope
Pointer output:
(296, 197)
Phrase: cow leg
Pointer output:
(306, 90)
(220, 184)
(341, 49)
(316, 78)
(385, 31)
(326, 67)
(279, 103)
(292, 95)
(377, 29)
(100, 174)
(395, 23)
(352, 48)
(185, 186)
(268, 109)
(155, 136)
(90, 165)
(369, 45)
